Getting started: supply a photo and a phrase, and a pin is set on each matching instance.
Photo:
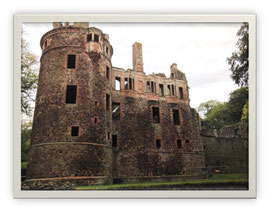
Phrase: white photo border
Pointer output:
(135, 18)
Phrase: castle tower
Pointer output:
(137, 57)
(71, 136)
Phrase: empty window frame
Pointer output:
(152, 86)
(74, 131)
(114, 141)
(117, 83)
(107, 102)
(71, 94)
(109, 136)
(107, 72)
(176, 117)
(89, 37)
(179, 143)
(71, 61)
(115, 111)
(107, 50)
(181, 94)
(169, 89)
(158, 143)
(161, 90)
(126, 83)
(130, 83)
(187, 141)
(155, 112)
(172, 89)
(96, 38)
(148, 86)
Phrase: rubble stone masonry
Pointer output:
(98, 124)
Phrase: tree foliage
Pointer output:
(29, 77)
(220, 114)
(239, 62)
(26, 129)
(205, 108)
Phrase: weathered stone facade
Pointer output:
(228, 151)
(102, 124)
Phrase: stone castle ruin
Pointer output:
(98, 124)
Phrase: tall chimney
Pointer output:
(137, 57)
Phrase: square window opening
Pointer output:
(74, 131)
(89, 37)
(158, 143)
(117, 83)
(114, 140)
(96, 38)
(107, 102)
(179, 143)
(71, 62)
(115, 111)
(71, 94)
(176, 119)
(156, 118)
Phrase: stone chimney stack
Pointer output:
(137, 57)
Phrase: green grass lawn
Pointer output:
(214, 180)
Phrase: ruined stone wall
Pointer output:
(57, 156)
(226, 155)
(136, 156)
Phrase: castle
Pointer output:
(99, 124)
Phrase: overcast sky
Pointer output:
(199, 50)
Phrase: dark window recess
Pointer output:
(172, 75)
(158, 143)
(176, 119)
(186, 141)
(117, 83)
(148, 85)
(156, 118)
(152, 86)
(114, 140)
(107, 72)
(109, 136)
(96, 103)
(169, 90)
(95, 120)
(107, 102)
(126, 83)
(130, 83)
(74, 131)
(161, 89)
(46, 43)
(115, 111)
(71, 94)
(181, 93)
(107, 50)
(89, 37)
(96, 38)
(133, 84)
(71, 61)
(172, 89)
(179, 144)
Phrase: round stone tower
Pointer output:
(71, 135)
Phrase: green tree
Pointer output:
(205, 108)
(236, 103)
(239, 60)
(26, 129)
(29, 77)
(219, 116)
